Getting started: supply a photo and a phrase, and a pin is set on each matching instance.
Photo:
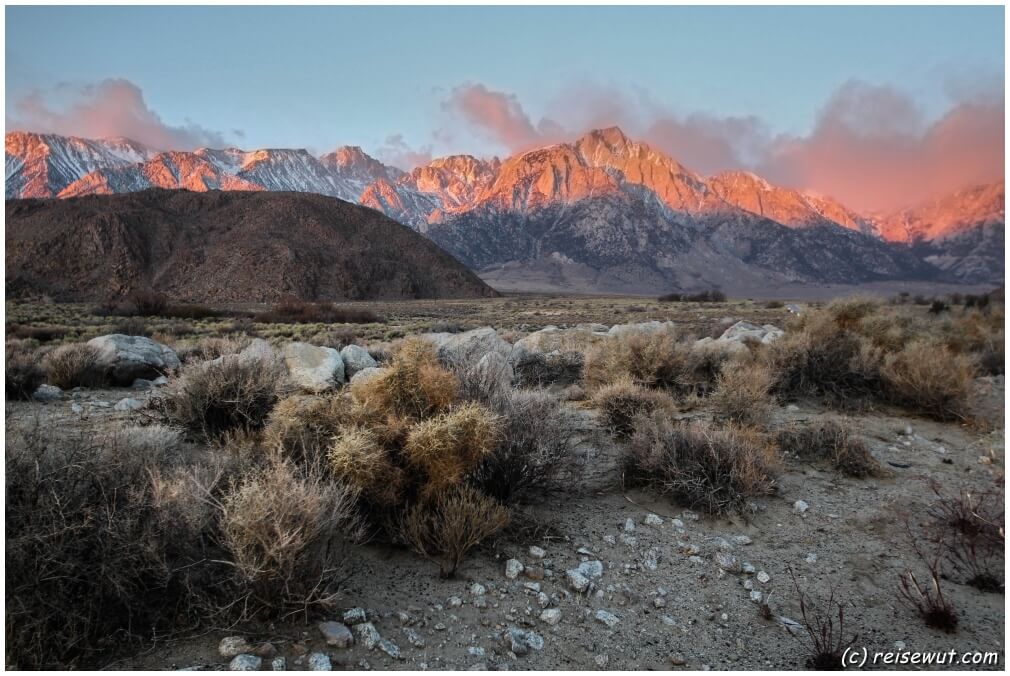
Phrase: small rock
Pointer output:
(629, 525)
(477, 589)
(512, 568)
(76, 408)
(367, 635)
(413, 638)
(543, 600)
(763, 577)
(756, 596)
(800, 506)
(629, 540)
(551, 616)
(336, 634)
(748, 584)
(265, 650)
(390, 648)
(128, 404)
(728, 562)
(678, 524)
(659, 602)
(232, 646)
(532, 586)
(454, 602)
(476, 651)
(47, 393)
(677, 660)
(278, 664)
(607, 618)
(537, 552)
(141, 384)
(355, 616)
(320, 662)
(601, 660)
(534, 572)
(591, 569)
(577, 581)
(245, 662)
(792, 408)
(610, 539)
(748, 568)
(653, 520)
(811, 558)
(742, 540)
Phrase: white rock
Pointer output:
(313, 368)
(278, 664)
(537, 552)
(468, 347)
(551, 616)
(763, 577)
(47, 393)
(477, 589)
(756, 596)
(367, 635)
(123, 359)
(414, 638)
(366, 374)
(355, 616)
(591, 569)
(800, 506)
(257, 349)
(320, 662)
(390, 648)
(245, 662)
(811, 558)
(607, 618)
(128, 404)
(76, 408)
(653, 520)
(513, 567)
(649, 327)
(355, 359)
(728, 562)
(629, 525)
(659, 602)
(601, 660)
(232, 646)
(577, 581)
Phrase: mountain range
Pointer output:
(602, 213)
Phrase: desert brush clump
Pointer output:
(703, 467)
(451, 522)
(358, 458)
(971, 525)
(622, 401)
(742, 393)
(448, 446)
(535, 369)
(287, 532)
(414, 385)
(107, 535)
(71, 365)
(23, 372)
(925, 597)
(302, 427)
(211, 398)
(831, 441)
(927, 377)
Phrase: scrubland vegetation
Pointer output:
(244, 498)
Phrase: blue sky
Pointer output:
(319, 77)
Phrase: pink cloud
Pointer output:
(500, 117)
(113, 107)
(398, 153)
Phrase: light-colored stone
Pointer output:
(355, 616)
(313, 368)
(763, 577)
(800, 506)
(278, 664)
(629, 525)
(257, 349)
(414, 638)
(336, 634)
(128, 404)
(355, 359)
(653, 520)
(537, 552)
(245, 662)
(591, 569)
(366, 374)
(607, 618)
(390, 648)
(319, 662)
(232, 646)
(513, 567)
(477, 589)
(649, 327)
(728, 562)
(47, 393)
(551, 616)
(122, 359)
(367, 635)
(577, 581)
(470, 346)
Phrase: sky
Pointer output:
(832, 100)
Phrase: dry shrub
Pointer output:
(649, 359)
(971, 524)
(927, 598)
(929, 379)
(22, 370)
(537, 438)
(536, 369)
(71, 365)
(301, 428)
(294, 311)
(450, 524)
(622, 401)
(147, 303)
(742, 393)
(414, 385)
(210, 347)
(847, 313)
(824, 626)
(286, 533)
(106, 536)
(451, 444)
(716, 470)
(209, 399)
(132, 326)
(830, 441)
(820, 357)
(980, 335)
(358, 458)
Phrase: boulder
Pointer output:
(47, 393)
(355, 359)
(653, 326)
(470, 346)
(257, 349)
(312, 368)
(743, 330)
(494, 367)
(128, 404)
(122, 359)
(367, 374)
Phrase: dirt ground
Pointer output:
(675, 607)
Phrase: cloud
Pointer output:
(112, 107)
(398, 153)
(871, 147)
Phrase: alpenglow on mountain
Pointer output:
(602, 213)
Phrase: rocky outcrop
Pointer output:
(356, 358)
